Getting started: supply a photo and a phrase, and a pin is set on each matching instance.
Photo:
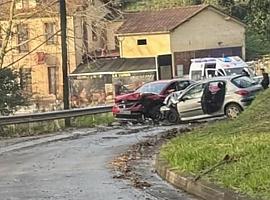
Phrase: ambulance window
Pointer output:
(210, 66)
(210, 73)
(196, 75)
(221, 73)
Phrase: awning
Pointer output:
(116, 66)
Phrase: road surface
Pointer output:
(79, 169)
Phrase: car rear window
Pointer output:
(243, 82)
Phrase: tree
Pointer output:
(8, 31)
(259, 17)
(10, 91)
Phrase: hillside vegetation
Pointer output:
(237, 151)
(159, 4)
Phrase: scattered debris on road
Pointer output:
(123, 165)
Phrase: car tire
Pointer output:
(173, 116)
(155, 113)
(233, 110)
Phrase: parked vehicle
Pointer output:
(227, 95)
(146, 101)
(203, 68)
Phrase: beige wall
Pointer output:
(157, 44)
(53, 54)
(207, 30)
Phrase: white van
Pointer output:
(202, 68)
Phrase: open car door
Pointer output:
(213, 96)
(190, 102)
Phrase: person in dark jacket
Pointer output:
(265, 81)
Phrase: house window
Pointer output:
(52, 80)
(94, 32)
(116, 41)
(23, 37)
(92, 2)
(50, 33)
(22, 4)
(26, 4)
(25, 75)
(180, 70)
(142, 42)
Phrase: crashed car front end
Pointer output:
(170, 107)
(135, 107)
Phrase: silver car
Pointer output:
(228, 95)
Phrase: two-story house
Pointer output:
(174, 36)
(34, 45)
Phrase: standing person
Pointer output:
(265, 81)
(118, 87)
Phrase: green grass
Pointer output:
(245, 140)
(94, 120)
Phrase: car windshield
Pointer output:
(234, 71)
(155, 88)
(243, 82)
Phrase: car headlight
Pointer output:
(164, 108)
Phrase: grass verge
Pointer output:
(94, 120)
(233, 154)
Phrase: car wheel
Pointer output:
(232, 111)
(173, 116)
(155, 113)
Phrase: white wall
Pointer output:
(208, 30)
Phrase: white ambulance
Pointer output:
(202, 68)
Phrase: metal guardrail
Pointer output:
(62, 114)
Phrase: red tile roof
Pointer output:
(158, 21)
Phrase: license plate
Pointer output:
(125, 112)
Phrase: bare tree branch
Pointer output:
(23, 43)
(90, 14)
(8, 33)
(34, 49)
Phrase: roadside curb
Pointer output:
(201, 189)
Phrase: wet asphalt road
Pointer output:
(79, 169)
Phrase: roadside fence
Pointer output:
(53, 115)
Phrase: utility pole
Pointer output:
(63, 17)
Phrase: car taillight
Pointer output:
(242, 92)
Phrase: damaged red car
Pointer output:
(146, 101)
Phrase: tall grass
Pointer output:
(245, 140)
